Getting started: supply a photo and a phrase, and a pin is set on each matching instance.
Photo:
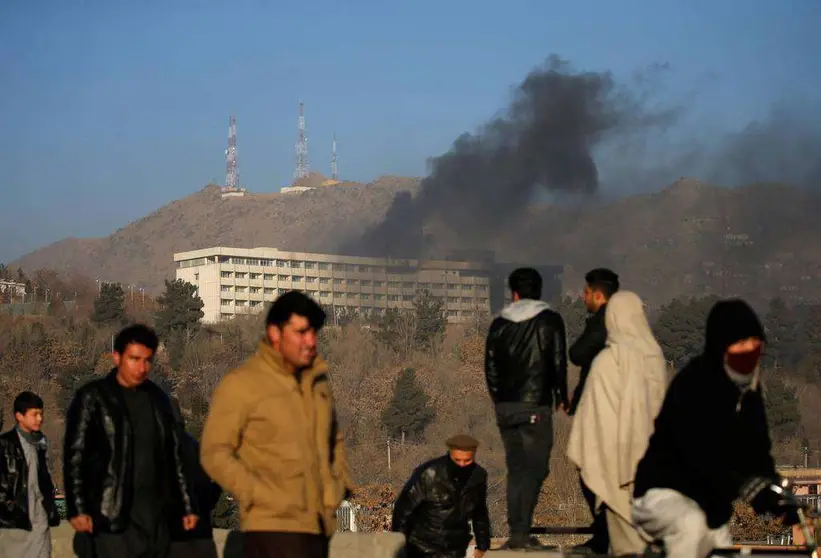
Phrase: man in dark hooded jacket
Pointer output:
(440, 500)
(711, 443)
(526, 373)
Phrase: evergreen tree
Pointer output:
(431, 321)
(409, 410)
(680, 328)
(574, 313)
(109, 306)
(179, 317)
(783, 411)
(781, 324)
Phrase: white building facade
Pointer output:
(241, 281)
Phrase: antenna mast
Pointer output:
(301, 170)
(231, 168)
(333, 161)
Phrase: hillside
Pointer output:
(688, 238)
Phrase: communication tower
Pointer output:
(333, 161)
(231, 168)
(301, 170)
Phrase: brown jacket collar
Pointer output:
(274, 360)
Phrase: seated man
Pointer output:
(711, 443)
(438, 501)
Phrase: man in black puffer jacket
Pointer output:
(439, 501)
(526, 373)
(711, 443)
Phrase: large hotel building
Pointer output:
(236, 281)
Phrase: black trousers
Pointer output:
(268, 544)
(134, 542)
(600, 541)
(415, 552)
(527, 455)
(147, 534)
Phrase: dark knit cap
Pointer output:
(462, 442)
(729, 322)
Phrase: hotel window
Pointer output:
(255, 275)
(241, 275)
(226, 274)
(268, 277)
(310, 265)
(324, 266)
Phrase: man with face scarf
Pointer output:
(440, 500)
(711, 443)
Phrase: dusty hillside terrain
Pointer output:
(688, 238)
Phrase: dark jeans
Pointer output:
(527, 456)
(600, 541)
(414, 552)
(134, 542)
(195, 548)
(266, 544)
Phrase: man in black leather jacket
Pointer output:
(526, 373)
(439, 500)
(122, 461)
(27, 509)
(600, 285)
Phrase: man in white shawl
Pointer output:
(614, 420)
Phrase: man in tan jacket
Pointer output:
(272, 438)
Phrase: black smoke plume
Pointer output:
(544, 143)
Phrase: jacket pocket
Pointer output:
(279, 496)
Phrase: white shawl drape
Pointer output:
(622, 396)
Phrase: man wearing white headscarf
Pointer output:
(614, 420)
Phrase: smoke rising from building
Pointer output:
(545, 142)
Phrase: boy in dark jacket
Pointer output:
(442, 496)
(711, 443)
(27, 509)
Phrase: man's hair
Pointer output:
(526, 282)
(137, 334)
(603, 280)
(25, 401)
(295, 302)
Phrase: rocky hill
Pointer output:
(689, 238)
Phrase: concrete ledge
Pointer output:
(229, 544)
(343, 545)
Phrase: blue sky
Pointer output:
(111, 109)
